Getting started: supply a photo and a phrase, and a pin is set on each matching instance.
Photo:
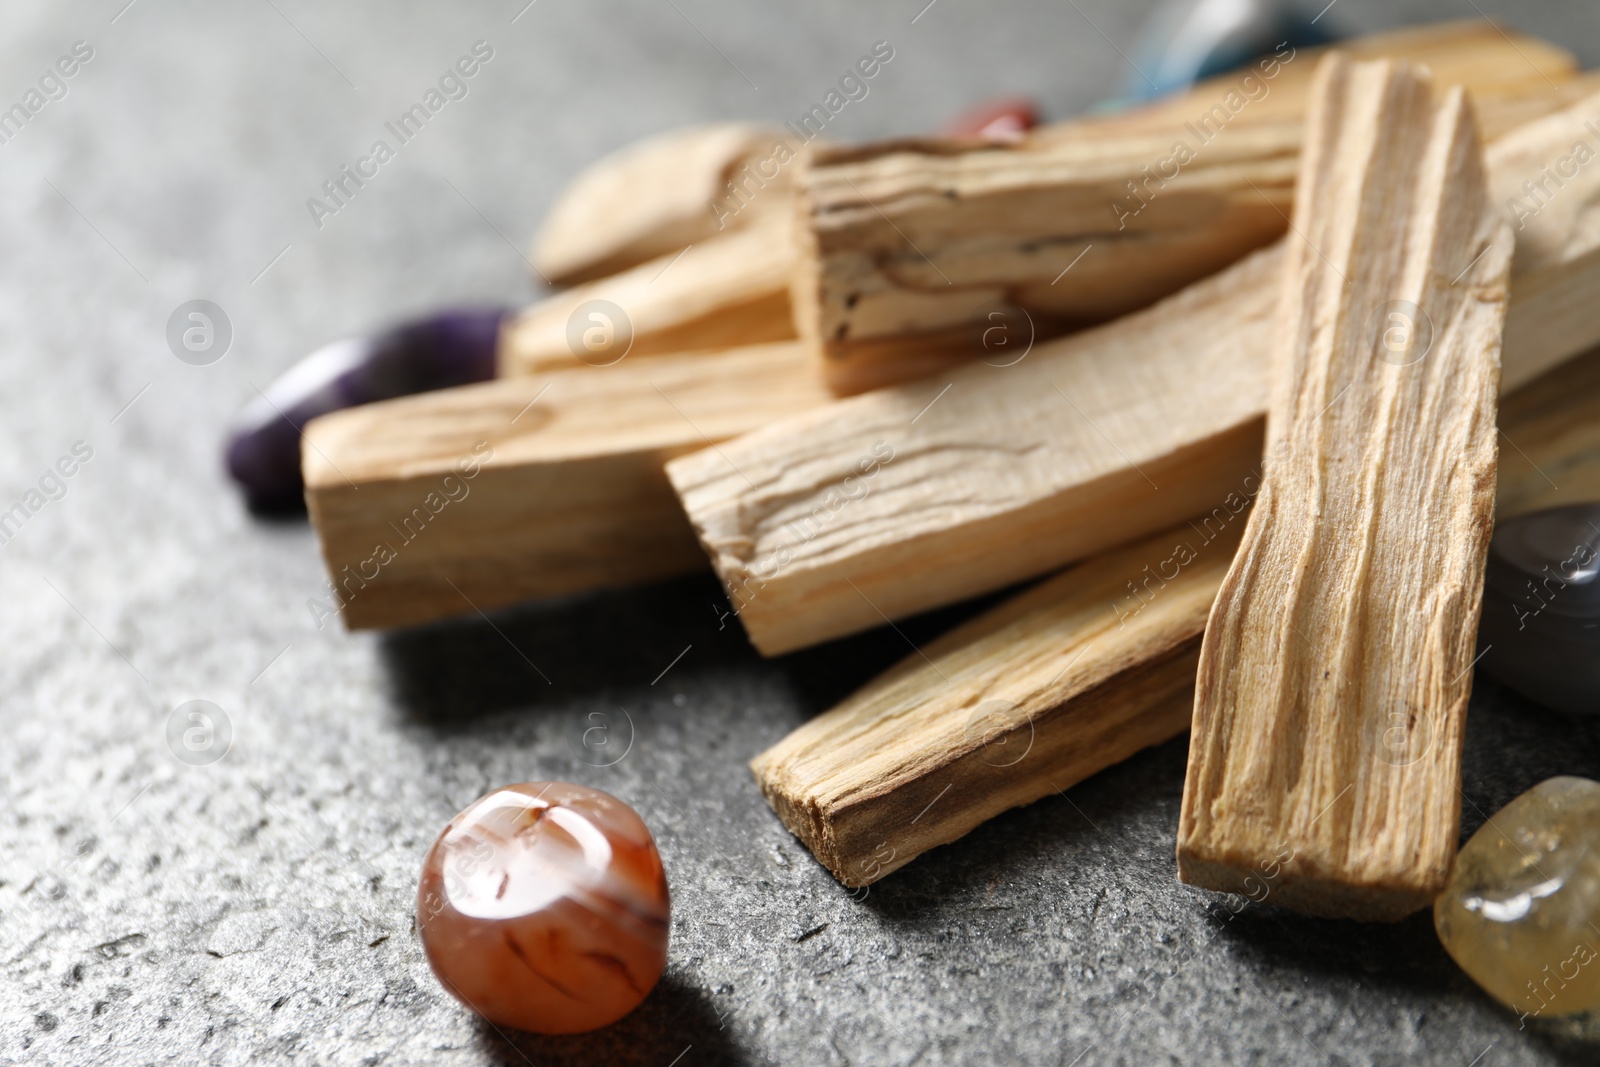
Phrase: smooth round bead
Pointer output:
(544, 906)
(1521, 912)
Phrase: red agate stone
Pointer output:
(544, 906)
(1004, 119)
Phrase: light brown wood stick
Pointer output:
(729, 289)
(918, 255)
(1469, 52)
(1074, 675)
(670, 192)
(663, 194)
(1002, 473)
(466, 499)
(1031, 697)
(1550, 451)
(1345, 628)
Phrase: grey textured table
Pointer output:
(258, 909)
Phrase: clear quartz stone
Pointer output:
(1521, 913)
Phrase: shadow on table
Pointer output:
(1511, 745)
(450, 673)
(674, 1019)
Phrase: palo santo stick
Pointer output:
(1546, 174)
(657, 196)
(476, 497)
(1471, 52)
(913, 253)
(1550, 454)
(1074, 675)
(1350, 611)
(1025, 700)
(725, 291)
(991, 476)
(1004, 473)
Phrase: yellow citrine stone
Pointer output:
(1521, 913)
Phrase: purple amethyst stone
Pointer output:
(263, 449)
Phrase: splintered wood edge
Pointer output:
(1556, 419)
(929, 750)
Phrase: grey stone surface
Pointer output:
(258, 909)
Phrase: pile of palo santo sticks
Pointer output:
(1257, 347)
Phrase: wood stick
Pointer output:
(1550, 451)
(1345, 628)
(1029, 698)
(660, 195)
(472, 498)
(1546, 175)
(1002, 473)
(1471, 52)
(1073, 676)
(918, 255)
(726, 290)
(732, 285)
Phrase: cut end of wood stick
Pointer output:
(462, 500)
(905, 499)
(1022, 702)
(1324, 769)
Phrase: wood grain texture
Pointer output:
(913, 252)
(1546, 177)
(990, 476)
(1090, 441)
(1334, 673)
(726, 290)
(1074, 675)
(1469, 51)
(657, 196)
(463, 499)
(1027, 699)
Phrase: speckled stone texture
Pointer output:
(258, 908)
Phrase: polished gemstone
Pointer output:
(1540, 629)
(543, 906)
(263, 449)
(1521, 913)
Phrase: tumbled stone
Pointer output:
(543, 906)
(262, 453)
(1521, 913)
(1540, 629)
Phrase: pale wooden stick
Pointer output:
(662, 194)
(1344, 631)
(1001, 473)
(1546, 175)
(1029, 698)
(918, 255)
(727, 290)
(1069, 678)
(670, 192)
(1550, 448)
(467, 499)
